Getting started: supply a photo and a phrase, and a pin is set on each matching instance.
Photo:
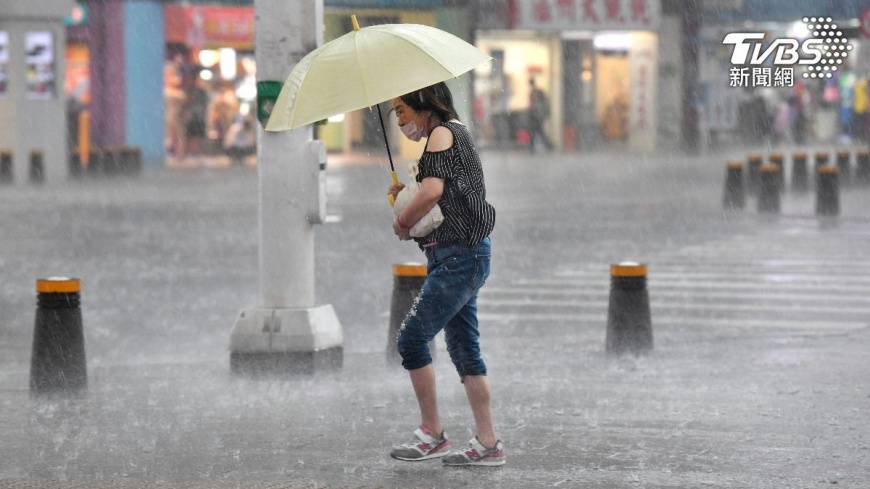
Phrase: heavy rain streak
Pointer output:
(644, 259)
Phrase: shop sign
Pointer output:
(864, 25)
(578, 15)
(760, 62)
(642, 115)
(4, 61)
(40, 79)
(210, 27)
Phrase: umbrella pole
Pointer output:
(389, 154)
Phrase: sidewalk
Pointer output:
(732, 396)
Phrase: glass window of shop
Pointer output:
(595, 60)
(210, 81)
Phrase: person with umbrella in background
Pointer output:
(458, 254)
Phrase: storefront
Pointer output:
(784, 104)
(209, 77)
(213, 47)
(594, 60)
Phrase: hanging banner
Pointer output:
(574, 15)
(643, 57)
(39, 48)
(4, 61)
(210, 27)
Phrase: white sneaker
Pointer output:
(424, 446)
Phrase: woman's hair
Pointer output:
(435, 98)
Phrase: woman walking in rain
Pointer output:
(458, 253)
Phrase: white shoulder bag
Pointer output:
(427, 223)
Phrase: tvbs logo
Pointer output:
(822, 51)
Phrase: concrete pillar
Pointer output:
(287, 332)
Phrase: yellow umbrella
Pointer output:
(366, 67)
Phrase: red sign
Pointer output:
(865, 23)
(555, 15)
(210, 27)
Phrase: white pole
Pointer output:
(287, 326)
(286, 237)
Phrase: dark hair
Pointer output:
(435, 98)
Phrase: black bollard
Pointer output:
(769, 199)
(844, 167)
(734, 196)
(125, 160)
(862, 168)
(629, 327)
(5, 167)
(112, 161)
(133, 160)
(76, 169)
(58, 363)
(94, 167)
(822, 160)
(408, 279)
(37, 169)
(779, 160)
(828, 191)
(799, 175)
(753, 173)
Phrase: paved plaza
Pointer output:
(757, 379)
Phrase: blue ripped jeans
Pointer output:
(448, 301)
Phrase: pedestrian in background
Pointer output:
(861, 108)
(240, 139)
(539, 111)
(175, 107)
(458, 254)
(222, 112)
(197, 101)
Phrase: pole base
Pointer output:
(286, 363)
(284, 341)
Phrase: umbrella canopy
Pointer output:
(366, 67)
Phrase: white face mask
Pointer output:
(412, 132)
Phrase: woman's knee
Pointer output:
(414, 351)
(467, 359)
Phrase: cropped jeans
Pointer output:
(448, 301)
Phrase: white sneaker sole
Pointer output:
(492, 463)
(440, 454)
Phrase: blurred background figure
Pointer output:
(175, 101)
(222, 111)
(539, 111)
(240, 139)
(197, 102)
(861, 110)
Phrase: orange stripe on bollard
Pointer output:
(628, 269)
(58, 285)
(409, 270)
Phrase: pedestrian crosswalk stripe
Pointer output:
(661, 289)
(764, 307)
(766, 275)
(731, 284)
(598, 320)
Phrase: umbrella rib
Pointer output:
(359, 67)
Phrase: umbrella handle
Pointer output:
(395, 180)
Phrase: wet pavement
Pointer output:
(758, 375)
